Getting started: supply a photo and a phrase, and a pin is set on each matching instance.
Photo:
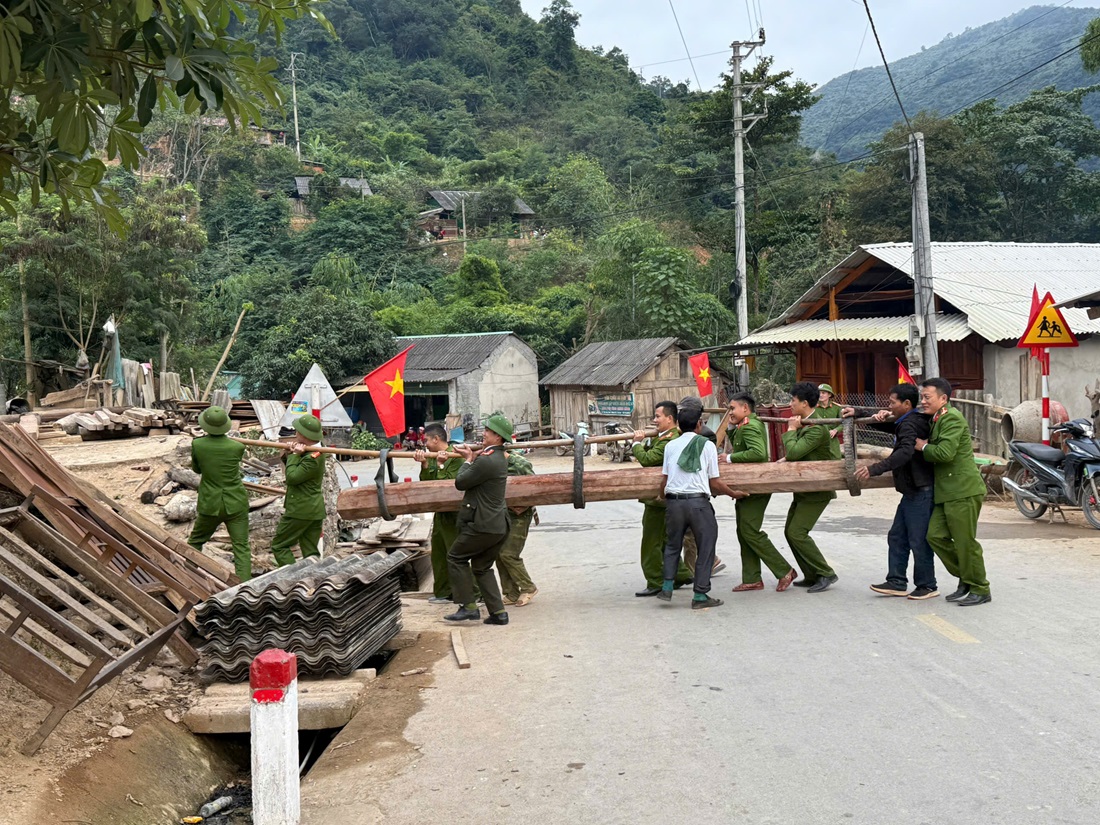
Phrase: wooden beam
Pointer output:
(621, 485)
(840, 286)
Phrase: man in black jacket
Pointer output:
(913, 479)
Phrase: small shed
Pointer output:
(623, 381)
(444, 213)
(469, 376)
(303, 183)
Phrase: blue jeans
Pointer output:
(909, 533)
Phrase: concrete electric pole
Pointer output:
(741, 125)
(294, 100)
(923, 339)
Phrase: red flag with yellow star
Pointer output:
(700, 368)
(387, 390)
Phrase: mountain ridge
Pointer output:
(858, 107)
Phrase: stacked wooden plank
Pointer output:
(241, 413)
(93, 393)
(105, 423)
(406, 533)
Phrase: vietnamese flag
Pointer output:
(700, 369)
(903, 374)
(387, 390)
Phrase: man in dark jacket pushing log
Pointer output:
(482, 525)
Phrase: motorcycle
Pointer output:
(1049, 477)
(618, 450)
(569, 450)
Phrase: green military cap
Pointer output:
(309, 426)
(825, 388)
(214, 421)
(501, 426)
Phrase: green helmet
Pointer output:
(215, 421)
(309, 426)
(501, 426)
(825, 388)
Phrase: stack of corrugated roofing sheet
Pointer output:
(333, 614)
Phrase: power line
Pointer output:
(680, 59)
(683, 40)
(912, 84)
(886, 63)
(847, 86)
(1021, 76)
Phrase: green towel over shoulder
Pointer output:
(689, 459)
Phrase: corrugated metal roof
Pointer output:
(451, 200)
(609, 363)
(444, 357)
(990, 282)
(302, 185)
(948, 328)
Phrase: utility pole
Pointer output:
(294, 100)
(742, 123)
(924, 298)
(463, 224)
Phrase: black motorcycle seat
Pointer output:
(1040, 452)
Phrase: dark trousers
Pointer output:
(695, 514)
(909, 534)
(471, 557)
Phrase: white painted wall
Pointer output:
(1070, 371)
(511, 383)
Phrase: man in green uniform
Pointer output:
(482, 525)
(958, 490)
(806, 441)
(436, 463)
(650, 452)
(749, 445)
(515, 581)
(222, 497)
(828, 408)
(304, 503)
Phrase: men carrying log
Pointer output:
(482, 525)
(222, 497)
(959, 493)
(304, 505)
(650, 452)
(807, 441)
(437, 463)
(749, 445)
(691, 477)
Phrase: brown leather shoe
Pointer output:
(741, 588)
(785, 582)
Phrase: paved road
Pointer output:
(594, 706)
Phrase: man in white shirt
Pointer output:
(690, 479)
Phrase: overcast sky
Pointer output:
(819, 39)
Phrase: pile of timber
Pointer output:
(132, 421)
(406, 533)
(87, 393)
(241, 413)
(622, 485)
(73, 562)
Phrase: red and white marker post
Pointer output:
(1044, 363)
(273, 678)
(315, 400)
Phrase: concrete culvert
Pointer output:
(1025, 422)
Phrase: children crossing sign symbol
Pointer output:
(1048, 328)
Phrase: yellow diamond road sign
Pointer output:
(1048, 328)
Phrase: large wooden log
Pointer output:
(607, 485)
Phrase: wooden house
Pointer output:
(623, 381)
(853, 324)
